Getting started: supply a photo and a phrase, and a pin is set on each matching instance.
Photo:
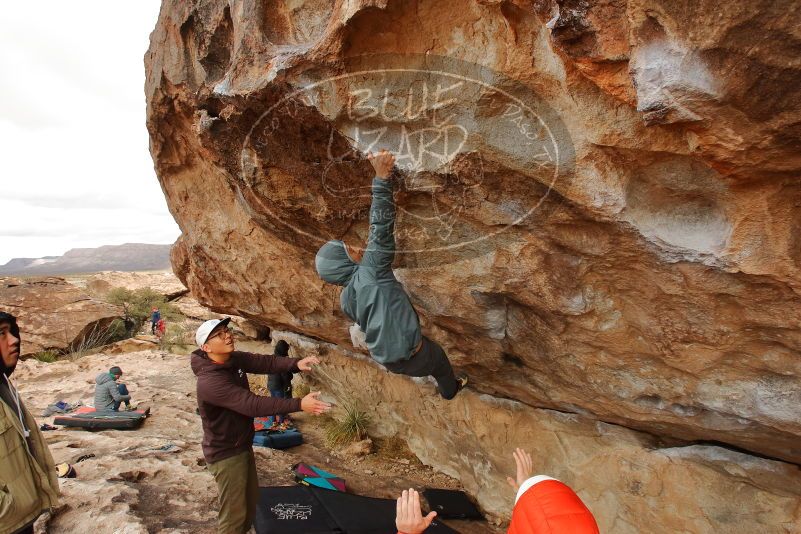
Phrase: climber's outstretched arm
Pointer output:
(380, 251)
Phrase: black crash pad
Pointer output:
(451, 504)
(103, 419)
(311, 510)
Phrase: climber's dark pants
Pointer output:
(430, 360)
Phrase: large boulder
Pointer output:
(599, 206)
(55, 315)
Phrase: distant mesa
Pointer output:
(127, 257)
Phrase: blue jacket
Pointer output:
(373, 297)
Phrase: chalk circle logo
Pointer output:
(291, 511)
(477, 153)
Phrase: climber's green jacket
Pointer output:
(373, 297)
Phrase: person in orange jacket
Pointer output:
(543, 505)
(161, 328)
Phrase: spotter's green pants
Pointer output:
(238, 485)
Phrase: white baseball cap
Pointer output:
(207, 328)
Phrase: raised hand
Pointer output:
(312, 404)
(306, 363)
(524, 467)
(382, 163)
(408, 516)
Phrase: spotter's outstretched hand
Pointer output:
(306, 363)
(409, 517)
(524, 467)
(312, 404)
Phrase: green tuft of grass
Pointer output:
(349, 423)
(46, 356)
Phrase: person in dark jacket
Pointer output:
(280, 384)
(154, 320)
(227, 408)
(376, 300)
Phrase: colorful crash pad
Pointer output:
(278, 439)
(309, 475)
(263, 423)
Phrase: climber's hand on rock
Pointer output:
(312, 404)
(408, 516)
(524, 467)
(382, 163)
(306, 363)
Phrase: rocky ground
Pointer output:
(130, 486)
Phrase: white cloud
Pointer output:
(75, 162)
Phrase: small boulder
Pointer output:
(359, 448)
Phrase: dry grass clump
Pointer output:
(348, 424)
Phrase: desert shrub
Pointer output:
(47, 356)
(176, 335)
(97, 336)
(137, 305)
(115, 331)
(349, 423)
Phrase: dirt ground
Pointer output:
(154, 479)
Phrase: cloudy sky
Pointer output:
(76, 171)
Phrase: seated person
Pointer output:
(543, 505)
(109, 395)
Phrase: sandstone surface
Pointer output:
(598, 201)
(54, 314)
(190, 307)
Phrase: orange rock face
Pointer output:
(598, 209)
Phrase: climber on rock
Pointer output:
(376, 300)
